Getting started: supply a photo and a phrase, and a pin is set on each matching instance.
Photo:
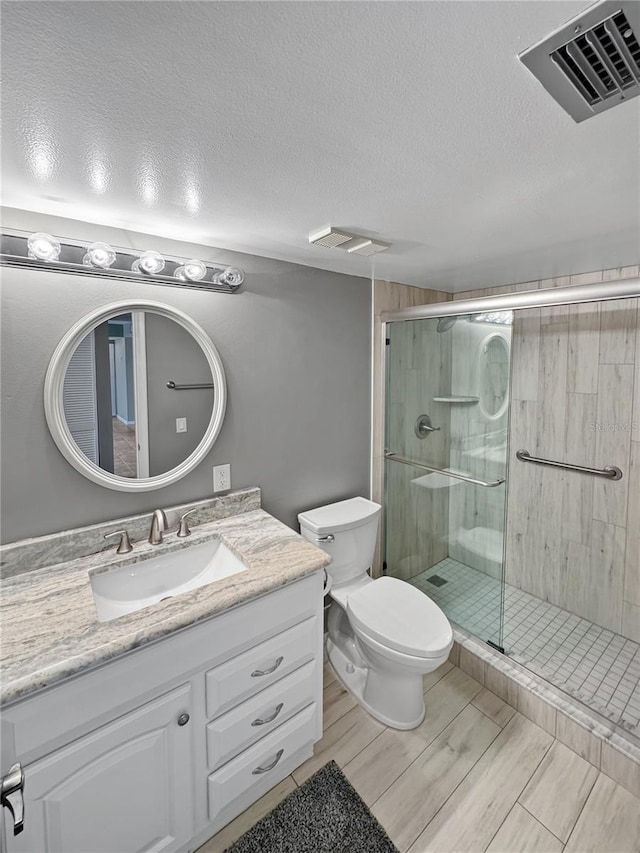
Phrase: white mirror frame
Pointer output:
(54, 405)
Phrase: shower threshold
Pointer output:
(599, 668)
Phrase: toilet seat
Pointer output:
(400, 617)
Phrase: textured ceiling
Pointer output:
(248, 125)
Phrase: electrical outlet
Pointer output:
(222, 478)
(181, 424)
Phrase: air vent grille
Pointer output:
(329, 238)
(604, 61)
(333, 238)
(598, 57)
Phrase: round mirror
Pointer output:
(135, 395)
(493, 375)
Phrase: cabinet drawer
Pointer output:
(259, 767)
(256, 717)
(257, 668)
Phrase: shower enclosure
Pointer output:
(512, 479)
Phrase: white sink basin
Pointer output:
(139, 585)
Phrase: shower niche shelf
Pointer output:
(455, 398)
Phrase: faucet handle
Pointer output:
(124, 545)
(183, 528)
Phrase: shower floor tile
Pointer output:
(598, 667)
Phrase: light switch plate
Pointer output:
(222, 478)
(181, 424)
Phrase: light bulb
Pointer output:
(231, 276)
(194, 270)
(179, 273)
(99, 255)
(149, 262)
(43, 246)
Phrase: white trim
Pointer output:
(123, 421)
(54, 409)
(140, 393)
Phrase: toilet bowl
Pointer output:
(383, 634)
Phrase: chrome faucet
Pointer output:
(158, 526)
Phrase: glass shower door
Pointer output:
(447, 410)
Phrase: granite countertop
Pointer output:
(50, 628)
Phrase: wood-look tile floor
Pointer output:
(475, 775)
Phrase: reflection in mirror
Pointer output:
(493, 374)
(117, 405)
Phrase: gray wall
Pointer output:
(172, 353)
(295, 343)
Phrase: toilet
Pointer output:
(384, 634)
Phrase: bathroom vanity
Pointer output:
(154, 730)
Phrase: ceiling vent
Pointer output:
(366, 247)
(591, 63)
(355, 244)
(329, 238)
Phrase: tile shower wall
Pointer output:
(573, 539)
(419, 370)
(387, 296)
(480, 368)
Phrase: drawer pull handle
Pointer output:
(258, 673)
(270, 719)
(266, 769)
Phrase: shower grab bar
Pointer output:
(490, 485)
(611, 472)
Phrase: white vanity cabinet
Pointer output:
(126, 786)
(159, 748)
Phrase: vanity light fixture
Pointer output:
(231, 276)
(149, 262)
(193, 270)
(43, 246)
(43, 251)
(99, 255)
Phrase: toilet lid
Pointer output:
(401, 617)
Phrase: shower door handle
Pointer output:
(393, 457)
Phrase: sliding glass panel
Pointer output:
(447, 408)
(572, 546)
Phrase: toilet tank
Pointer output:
(354, 526)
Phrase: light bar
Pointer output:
(61, 254)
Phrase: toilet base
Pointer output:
(404, 693)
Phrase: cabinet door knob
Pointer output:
(183, 719)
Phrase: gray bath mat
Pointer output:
(325, 815)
